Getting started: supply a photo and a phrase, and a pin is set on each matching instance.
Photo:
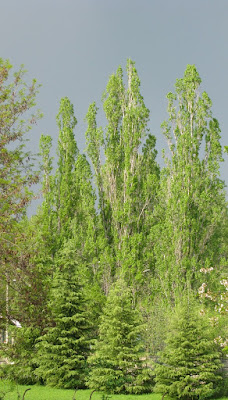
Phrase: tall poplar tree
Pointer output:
(68, 211)
(67, 152)
(191, 209)
(128, 178)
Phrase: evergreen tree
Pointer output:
(117, 365)
(63, 350)
(189, 366)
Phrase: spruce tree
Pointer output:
(63, 350)
(189, 366)
(117, 365)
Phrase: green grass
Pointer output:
(47, 393)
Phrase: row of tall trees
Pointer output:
(116, 244)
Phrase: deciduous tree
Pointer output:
(127, 179)
(191, 209)
(17, 175)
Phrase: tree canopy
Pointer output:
(117, 243)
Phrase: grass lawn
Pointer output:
(47, 393)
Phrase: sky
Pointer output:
(72, 47)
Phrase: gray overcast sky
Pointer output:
(72, 46)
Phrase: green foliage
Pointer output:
(190, 365)
(16, 100)
(191, 208)
(22, 356)
(105, 397)
(117, 365)
(17, 174)
(159, 232)
(67, 154)
(63, 350)
(155, 315)
(58, 241)
(127, 180)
